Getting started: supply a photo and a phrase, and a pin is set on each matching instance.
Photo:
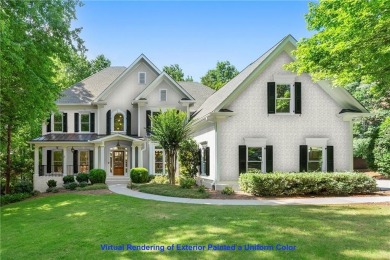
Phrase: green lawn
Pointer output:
(171, 191)
(73, 226)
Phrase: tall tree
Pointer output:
(218, 77)
(170, 129)
(99, 63)
(351, 43)
(33, 35)
(175, 72)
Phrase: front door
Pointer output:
(119, 162)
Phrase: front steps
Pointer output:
(117, 180)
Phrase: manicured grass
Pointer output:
(171, 191)
(73, 226)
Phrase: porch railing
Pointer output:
(58, 170)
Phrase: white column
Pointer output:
(65, 161)
(96, 157)
(36, 160)
(102, 166)
(140, 164)
(132, 156)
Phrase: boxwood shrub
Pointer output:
(82, 177)
(23, 186)
(139, 175)
(97, 176)
(288, 184)
(68, 179)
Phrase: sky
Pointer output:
(194, 35)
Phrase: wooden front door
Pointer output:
(119, 162)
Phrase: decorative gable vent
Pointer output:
(142, 78)
(163, 95)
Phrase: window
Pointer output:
(142, 78)
(314, 162)
(84, 161)
(58, 122)
(205, 160)
(84, 122)
(159, 160)
(163, 95)
(57, 161)
(254, 158)
(283, 98)
(119, 122)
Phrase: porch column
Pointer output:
(140, 159)
(102, 157)
(132, 156)
(96, 157)
(64, 161)
(36, 160)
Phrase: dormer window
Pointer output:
(163, 95)
(142, 78)
(119, 122)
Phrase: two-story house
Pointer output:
(103, 121)
(265, 119)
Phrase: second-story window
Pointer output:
(119, 122)
(283, 98)
(84, 122)
(142, 78)
(58, 121)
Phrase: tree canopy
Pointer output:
(176, 73)
(218, 77)
(351, 43)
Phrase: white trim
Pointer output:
(255, 142)
(114, 113)
(166, 95)
(292, 98)
(53, 123)
(139, 78)
(89, 122)
(317, 141)
(263, 157)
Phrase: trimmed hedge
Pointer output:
(11, 198)
(97, 176)
(287, 184)
(139, 175)
(23, 187)
(82, 177)
(68, 179)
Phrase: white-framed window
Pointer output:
(163, 95)
(85, 122)
(315, 159)
(58, 122)
(283, 98)
(84, 161)
(119, 122)
(254, 159)
(142, 78)
(58, 160)
(159, 161)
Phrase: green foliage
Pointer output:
(218, 77)
(51, 183)
(23, 187)
(11, 198)
(83, 184)
(97, 186)
(160, 179)
(172, 191)
(170, 129)
(139, 175)
(202, 189)
(360, 147)
(351, 43)
(52, 189)
(71, 185)
(68, 179)
(97, 176)
(382, 148)
(82, 177)
(289, 184)
(187, 183)
(189, 158)
(175, 72)
(228, 190)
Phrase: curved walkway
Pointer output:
(122, 189)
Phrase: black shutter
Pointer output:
(269, 167)
(90, 160)
(303, 158)
(298, 102)
(48, 126)
(128, 123)
(48, 161)
(75, 161)
(241, 159)
(207, 158)
(76, 122)
(108, 122)
(65, 122)
(329, 157)
(200, 160)
(92, 122)
(148, 122)
(271, 97)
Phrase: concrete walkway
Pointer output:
(122, 189)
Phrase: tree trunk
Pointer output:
(8, 166)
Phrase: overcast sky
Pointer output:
(194, 35)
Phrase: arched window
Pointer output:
(119, 122)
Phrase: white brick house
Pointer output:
(266, 118)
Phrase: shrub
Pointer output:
(278, 184)
(52, 183)
(189, 158)
(82, 177)
(70, 186)
(382, 148)
(83, 184)
(99, 186)
(187, 183)
(68, 179)
(23, 187)
(52, 189)
(160, 179)
(139, 175)
(11, 198)
(202, 189)
(360, 147)
(97, 176)
(227, 190)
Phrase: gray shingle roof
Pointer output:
(212, 103)
(198, 91)
(88, 89)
